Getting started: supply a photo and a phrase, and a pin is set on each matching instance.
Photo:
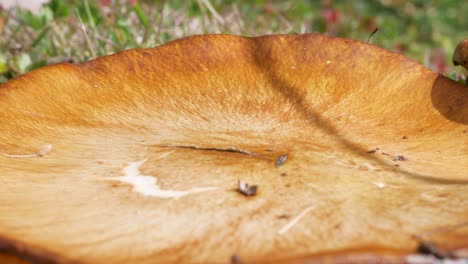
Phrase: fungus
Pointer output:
(208, 110)
(460, 55)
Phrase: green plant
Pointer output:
(426, 31)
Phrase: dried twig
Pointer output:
(213, 11)
(83, 28)
(372, 34)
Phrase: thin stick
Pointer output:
(372, 34)
(296, 219)
(213, 11)
(83, 28)
(283, 19)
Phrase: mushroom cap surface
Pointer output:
(356, 152)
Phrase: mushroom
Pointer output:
(460, 55)
(190, 117)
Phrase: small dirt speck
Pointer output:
(399, 158)
(404, 137)
(284, 174)
(246, 189)
(283, 216)
(281, 160)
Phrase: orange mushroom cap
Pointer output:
(356, 153)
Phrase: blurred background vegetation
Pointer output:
(424, 30)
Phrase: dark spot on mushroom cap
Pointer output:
(281, 160)
(399, 158)
(284, 216)
(235, 259)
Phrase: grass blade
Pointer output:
(141, 16)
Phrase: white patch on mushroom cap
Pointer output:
(147, 185)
